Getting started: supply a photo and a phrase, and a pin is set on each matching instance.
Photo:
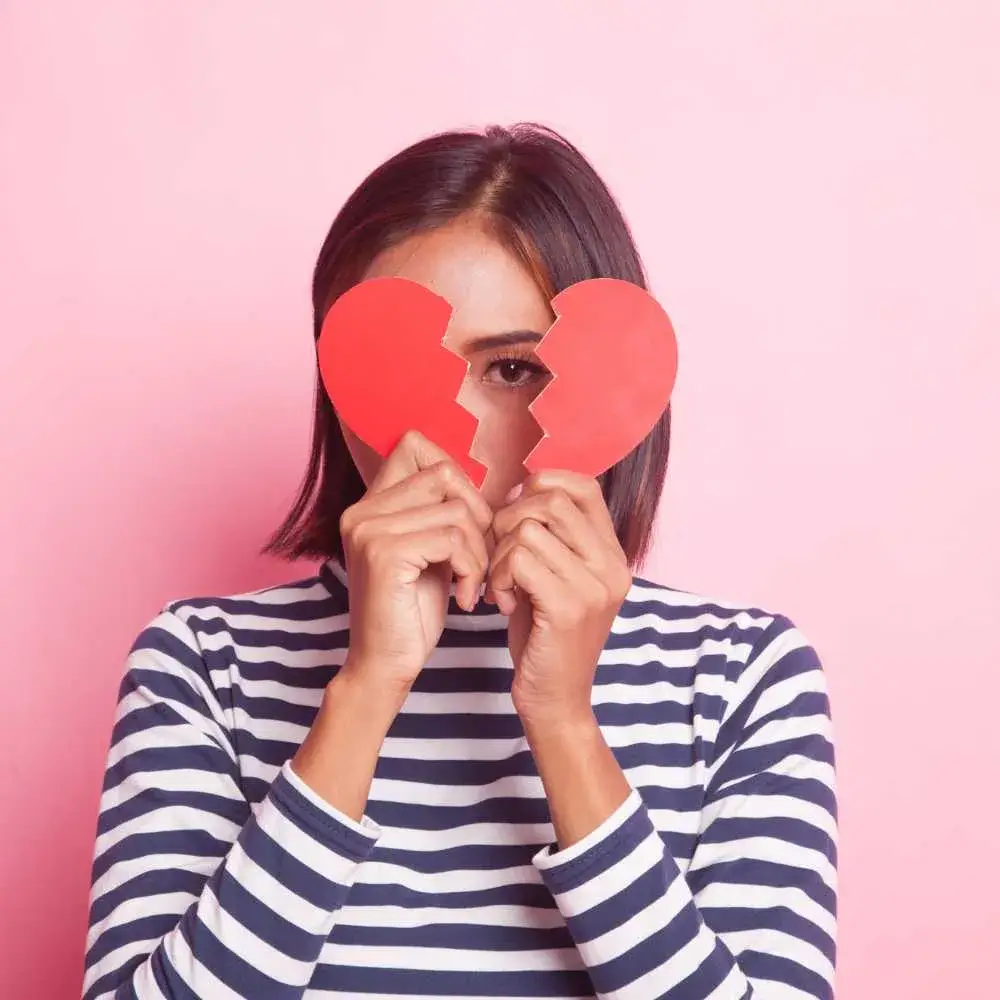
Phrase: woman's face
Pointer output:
(498, 316)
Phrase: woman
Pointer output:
(511, 769)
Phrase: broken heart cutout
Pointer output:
(386, 372)
(611, 350)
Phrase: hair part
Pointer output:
(540, 198)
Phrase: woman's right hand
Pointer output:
(420, 523)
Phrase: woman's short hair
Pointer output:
(539, 196)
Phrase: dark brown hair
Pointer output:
(540, 197)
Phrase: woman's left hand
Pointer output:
(556, 544)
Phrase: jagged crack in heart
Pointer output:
(465, 366)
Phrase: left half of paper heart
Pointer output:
(385, 367)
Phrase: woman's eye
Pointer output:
(512, 373)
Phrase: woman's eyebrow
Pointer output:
(495, 340)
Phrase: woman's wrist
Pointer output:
(362, 682)
(583, 782)
(337, 759)
(556, 737)
(557, 721)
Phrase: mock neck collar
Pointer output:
(482, 616)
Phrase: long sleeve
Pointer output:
(753, 917)
(194, 892)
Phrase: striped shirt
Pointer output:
(219, 874)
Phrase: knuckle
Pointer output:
(375, 548)
(445, 473)
(471, 530)
(353, 539)
(482, 512)
(559, 503)
(528, 529)
(520, 536)
(411, 439)
(465, 514)
(515, 559)
(358, 534)
(348, 519)
(461, 516)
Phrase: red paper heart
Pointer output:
(612, 353)
(385, 371)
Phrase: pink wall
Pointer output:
(815, 188)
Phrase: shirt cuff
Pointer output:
(367, 829)
(550, 859)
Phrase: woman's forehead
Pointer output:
(489, 289)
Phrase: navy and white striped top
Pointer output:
(218, 874)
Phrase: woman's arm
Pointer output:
(755, 915)
(194, 894)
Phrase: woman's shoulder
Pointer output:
(689, 608)
(291, 616)
(304, 599)
(720, 634)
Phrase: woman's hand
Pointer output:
(420, 522)
(559, 572)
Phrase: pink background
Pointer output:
(815, 189)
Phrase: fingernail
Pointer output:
(514, 493)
